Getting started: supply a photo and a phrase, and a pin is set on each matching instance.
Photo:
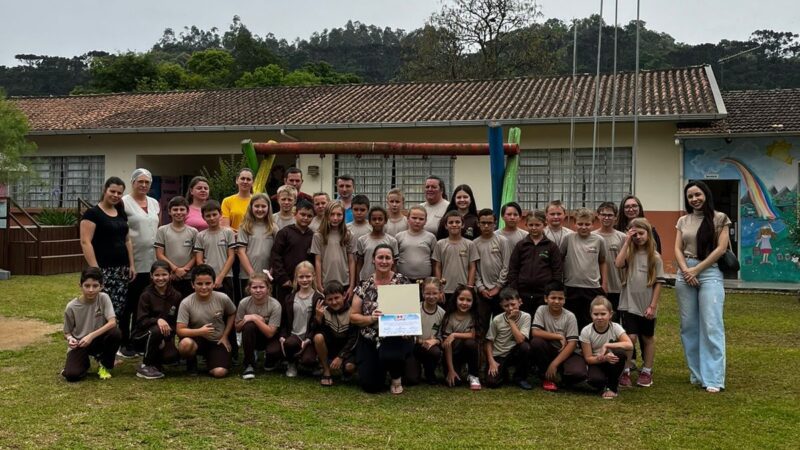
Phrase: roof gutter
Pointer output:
(737, 135)
(351, 126)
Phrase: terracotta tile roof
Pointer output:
(764, 111)
(674, 94)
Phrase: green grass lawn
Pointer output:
(759, 409)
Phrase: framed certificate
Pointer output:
(399, 304)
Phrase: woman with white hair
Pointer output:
(143, 220)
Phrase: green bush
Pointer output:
(51, 216)
(222, 181)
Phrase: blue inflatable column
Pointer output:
(496, 165)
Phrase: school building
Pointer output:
(84, 139)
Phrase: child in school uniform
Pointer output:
(455, 258)
(205, 320)
(287, 197)
(641, 290)
(154, 332)
(255, 239)
(175, 245)
(321, 201)
(415, 246)
(459, 333)
(534, 262)
(554, 338)
(366, 244)
(360, 225)
(334, 336)
(603, 345)
(507, 343)
(556, 215)
(291, 247)
(427, 346)
(585, 269)
(396, 221)
(511, 213)
(334, 250)
(607, 212)
(258, 318)
(216, 246)
(90, 329)
(298, 320)
(492, 267)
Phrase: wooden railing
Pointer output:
(11, 203)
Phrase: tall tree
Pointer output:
(13, 142)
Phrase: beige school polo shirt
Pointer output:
(195, 312)
(82, 318)
(500, 333)
(582, 258)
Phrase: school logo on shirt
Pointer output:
(495, 249)
(222, 243)
(187, 243)
(462, 253)
(98, 312)
(172, 311)
(590, 249)
(218, 315)
(544, 254)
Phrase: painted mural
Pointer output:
(768, 170)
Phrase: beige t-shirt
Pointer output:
(500, 333)
(195, 313)
(281, 222)
(178, 245)
(215, 245)
(558, 237)
(258, 248)
(566, 324)
(365, 248)
(357, 230)
(513, 237)
(270, 310)
(414, 252)
(435, 214)
(690, 223)
(430, 322)
(334, 257)
(582, 258)
(82, 318)
(596, 339)
(393, 227)
(494, 254)
(636, 295)
(454, 325)
(455, 258)
(614, 242)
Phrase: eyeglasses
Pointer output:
(631, 206)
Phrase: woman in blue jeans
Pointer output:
(701, 240)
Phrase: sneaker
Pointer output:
(712, 390)
(268, 368)
(608, 394)
(625, 379)
(248, 373)
(126, 353)
(103, 373)
(291, 370)
(148, 372)
(645, 379)
(474, 383)
(523, 384)
(549, 386)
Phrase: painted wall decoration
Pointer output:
(768, 170)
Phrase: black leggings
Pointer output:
(253, 340)
(465, 351)
(151, 342)
(429, 358)
(519, 358)
(606, 375)
(572, 369)
(373, 362)
(128, 319)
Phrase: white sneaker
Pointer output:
(474, 383)
(291, 370)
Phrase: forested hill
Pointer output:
(198, 59)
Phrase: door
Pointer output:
(726, 200)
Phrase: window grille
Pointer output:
(375, 175)
(58, 181)
(549, 174)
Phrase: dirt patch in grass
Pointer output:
(19, 333)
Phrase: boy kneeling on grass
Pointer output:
(507, 342)
(90, 328)
(205, 320)
(334, 336)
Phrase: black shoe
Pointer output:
(523, 384)
(126, 353)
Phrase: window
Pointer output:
(60, 180)
(549, 174)
(374, 175)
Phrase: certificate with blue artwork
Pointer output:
(399, 304)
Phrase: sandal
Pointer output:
(608, 394)
(326, 381)
(397, 387)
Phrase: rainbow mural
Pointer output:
(755, 187)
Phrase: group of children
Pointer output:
(531, 294)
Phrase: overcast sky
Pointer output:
(74, 27)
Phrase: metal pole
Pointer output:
(572, 113)
(635, 105)
(614, 103)
(596, 103)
